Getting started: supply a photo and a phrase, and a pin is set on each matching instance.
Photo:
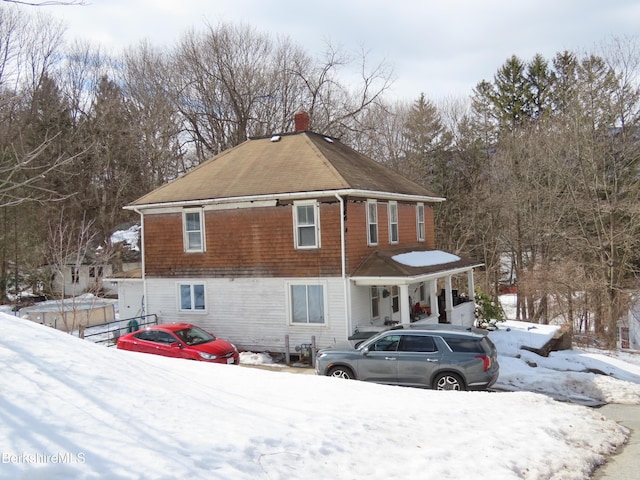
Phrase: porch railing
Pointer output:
(109, 332)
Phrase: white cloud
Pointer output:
(439, 48)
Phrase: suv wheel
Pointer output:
(448, 381)
(341, 372)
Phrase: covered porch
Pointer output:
(403, 286)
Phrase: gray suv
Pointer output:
(439, 357)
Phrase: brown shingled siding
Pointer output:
(258, 242)
(357, 248)
(243, 243)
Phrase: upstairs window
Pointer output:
(307, 225)
(420, 221)
(193, 230)
(372, 222)
(393, 222)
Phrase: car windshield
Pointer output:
(194, 336)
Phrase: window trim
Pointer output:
(191, 284)
(325, 306)
(372, 222)
(297, 225)
(185, 232)
(392, 206)
(420, 232)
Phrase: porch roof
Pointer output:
(407, 265)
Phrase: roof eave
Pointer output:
(292, 195)
(410, 279)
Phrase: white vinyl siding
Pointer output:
(193, 230)
(232, 308)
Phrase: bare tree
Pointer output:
(20, 176)
(157, 122)
(233, 82)
(71, 247)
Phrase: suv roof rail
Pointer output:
(440, 326)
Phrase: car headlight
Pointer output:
(207, 356)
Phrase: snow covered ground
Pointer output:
(70, 409)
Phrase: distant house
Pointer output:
(77, 277)
(295, 236)
(629, 326)
(130, 292)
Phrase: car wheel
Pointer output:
(341, 372)
(448, 381)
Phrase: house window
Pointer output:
(393, 222)
(95, 270)
(420, 221)
(372, 222)
(192, 297)
(423, 296)
(307, 304)
(395, 299)
(307, 225)
(193, 227)
(75, 274)
(375, 302)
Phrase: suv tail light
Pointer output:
(486, 360)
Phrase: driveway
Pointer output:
(625, 464)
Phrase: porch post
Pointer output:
(433, 297)
(405, 308)
(448, 298)
(472, 288)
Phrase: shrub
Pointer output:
(488, 310)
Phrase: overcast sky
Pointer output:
(440, 47)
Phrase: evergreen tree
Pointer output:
(427, 143)
(112, 171)
(539, 80)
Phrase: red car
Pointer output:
(180, 340)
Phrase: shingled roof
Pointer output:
(387, 263)
(285, 164)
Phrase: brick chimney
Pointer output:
(301, 121)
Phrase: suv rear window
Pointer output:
(462, 344)
(417, 343)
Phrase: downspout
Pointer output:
(145, 298)
(343, 261)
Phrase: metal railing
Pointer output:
(110, 332)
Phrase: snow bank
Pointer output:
(75, 410)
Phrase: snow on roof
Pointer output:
(425, 259)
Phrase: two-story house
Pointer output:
(297, 235)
